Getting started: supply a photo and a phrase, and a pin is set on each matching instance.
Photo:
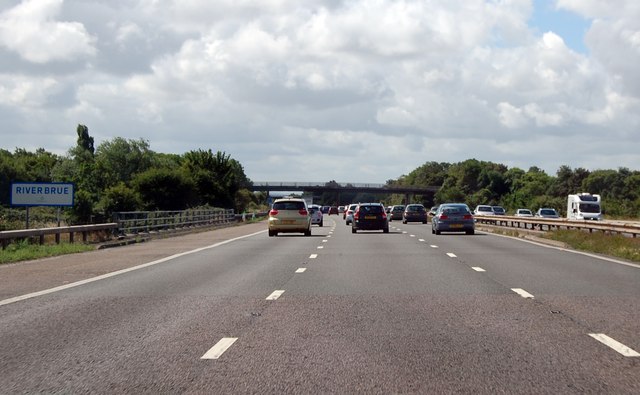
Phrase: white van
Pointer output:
(584, 206)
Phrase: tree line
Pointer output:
(479, 182)
(126, 175)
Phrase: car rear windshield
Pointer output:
(371, 209)
(288, 206)
(455, 210)
(484, 208)
(548, 212)
(415, 208)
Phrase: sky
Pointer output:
(359, 91)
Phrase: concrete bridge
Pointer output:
(317, 188)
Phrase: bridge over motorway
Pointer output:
(317, 188)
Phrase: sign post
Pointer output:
(30, 194)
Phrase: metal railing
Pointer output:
(8, 236)
(135, 222)
(632, 229)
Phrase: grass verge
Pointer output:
(24, 251)
(613, 245)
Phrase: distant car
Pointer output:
(547, 213)
(289, 215)
(370, 216)
(325, 209)
(498, 210)
(453, 217)
(524, 212)
(316, 215)
(414, 213)
(396, 212)
(483, 209)
(433, 210)
(349, 213)
(340, 209)
(333, 210)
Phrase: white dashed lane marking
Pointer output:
(614, 344)
(478, 269)
(223, 345)
(522, 293)
(452, 255)
(432, 246)
(421, 240)
(275, 295)
(301, 270)
(313, 256)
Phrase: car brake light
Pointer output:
(443, 216)
(303, 212)
(356, 215)
(384, 215)
(273, 213)
(468, 216)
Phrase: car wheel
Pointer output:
(307, 232)
(321, 224)
(353, 230)
(385, 230)
(271, 233)
(437, 232)
(404, 222)
(471, 232)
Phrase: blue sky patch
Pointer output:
(570, 26)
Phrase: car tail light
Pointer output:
(384, 215)
(468, 216)
(273, 213)
(303, 212)
(356, 215)
(443, 216)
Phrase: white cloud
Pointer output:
(280, 82)
(30, 29)
(24, 92)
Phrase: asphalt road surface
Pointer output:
(236, 311)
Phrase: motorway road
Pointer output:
(404, 312)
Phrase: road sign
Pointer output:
(42, 194)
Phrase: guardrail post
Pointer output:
(71, 237)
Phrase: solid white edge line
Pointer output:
(478, 269)
(604, 258)
(615, 345)
(301, 270)
(275, 294)
(119, 272)
(216, 351)
(522, 293)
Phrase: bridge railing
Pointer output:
(314, 184)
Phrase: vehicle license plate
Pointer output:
(288, 222)
(369, 217)
(456, 226)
